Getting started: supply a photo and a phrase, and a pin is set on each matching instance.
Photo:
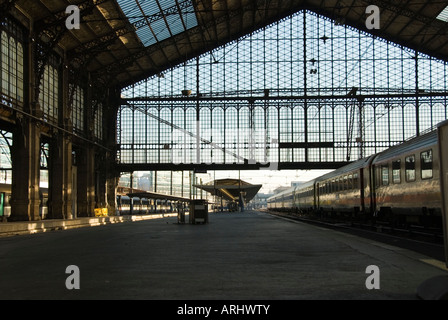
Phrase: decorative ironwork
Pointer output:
(285, 95)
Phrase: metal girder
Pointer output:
(417, 16)
(193, 135)
(359, 24)
(98, 45)
(112, 69)
(228, 166)
(355, 20)
(5, 7)
(48, 33)
(116, 34)
(251, 99)
(58, 18)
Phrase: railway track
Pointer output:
(427, 242)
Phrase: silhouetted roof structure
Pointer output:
(230, 189)
(122, 42)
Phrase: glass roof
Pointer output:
(157, 20)
(443, 16)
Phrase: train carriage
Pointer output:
(343, 191)
(283, 201)
(305, 197)
(399, 186)
(406, 180)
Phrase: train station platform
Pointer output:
(21, 228)
(248, 255)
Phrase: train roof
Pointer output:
(355, 165)
(421, 142)
(306, 184)
(287, 191)
(424, 141)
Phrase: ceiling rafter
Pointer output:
(110, 48)
(197, 31)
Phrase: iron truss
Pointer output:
(305, 93)
(289, 133)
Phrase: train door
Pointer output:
(359, 183)
(372, 185)
(443, 159)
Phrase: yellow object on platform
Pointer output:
(101, 212)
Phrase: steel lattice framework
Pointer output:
(305, 92)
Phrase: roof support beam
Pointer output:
(48, 32)
(115, 67)
(5, 7)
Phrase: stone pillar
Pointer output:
(25, 153)
(86, 182)
(112, 176)
(62, 162)
(25, 200)
(111, 194)
(61, 176)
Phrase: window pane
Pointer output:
(426, 164)
(396, 171)
(11, 57)
(48, 96)
(384, 175)
(410, 168)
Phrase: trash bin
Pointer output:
(198, 211)
(180, 213)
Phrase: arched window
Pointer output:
(5, 64)
(98, 120)
(12, 73)
(19, 72)
(78, 109)
(49, 93)
(5, 157)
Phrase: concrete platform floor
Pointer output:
(249, 255)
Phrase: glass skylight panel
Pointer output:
(443, 16)
(179, 16)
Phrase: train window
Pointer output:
(410, 168)
(385, 175)
(355, 181)
(377, 177)
(396, 171)
(426, 164)
(350, 182)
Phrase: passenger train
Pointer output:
(5, 201)
(399, 186)
(144, 206)
(141, 206)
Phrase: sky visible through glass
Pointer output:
(304, 54)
